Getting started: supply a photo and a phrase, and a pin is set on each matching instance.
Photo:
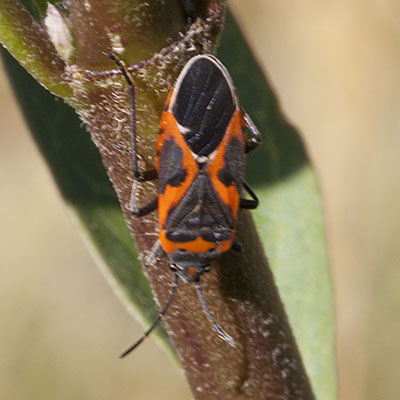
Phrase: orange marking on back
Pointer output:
(168, 245)
(199, 245)
(169, 98)
(225, 245)
(229, 195)
(173, 195)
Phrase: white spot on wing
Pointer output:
(183, 129)
(202, 159)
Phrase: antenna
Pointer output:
(211, 318)
(155, 323)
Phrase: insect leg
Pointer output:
(144, 210)
(145, 176)
(158, 319)
(210, 317)
(151, 205)
(139, 175)
(249, 204)
(156, 251)
(255, 139)
(122, 67)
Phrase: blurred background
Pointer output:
(335, 67)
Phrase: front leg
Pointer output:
(144, 210)
(150, 206)
(139, 175)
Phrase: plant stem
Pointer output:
(27, 41)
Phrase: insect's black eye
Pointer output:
(173, 267)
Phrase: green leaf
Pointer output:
(290, 217)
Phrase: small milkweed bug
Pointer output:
(200, 167)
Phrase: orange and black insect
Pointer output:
(200, 167)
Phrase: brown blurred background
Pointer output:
(336, 69)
